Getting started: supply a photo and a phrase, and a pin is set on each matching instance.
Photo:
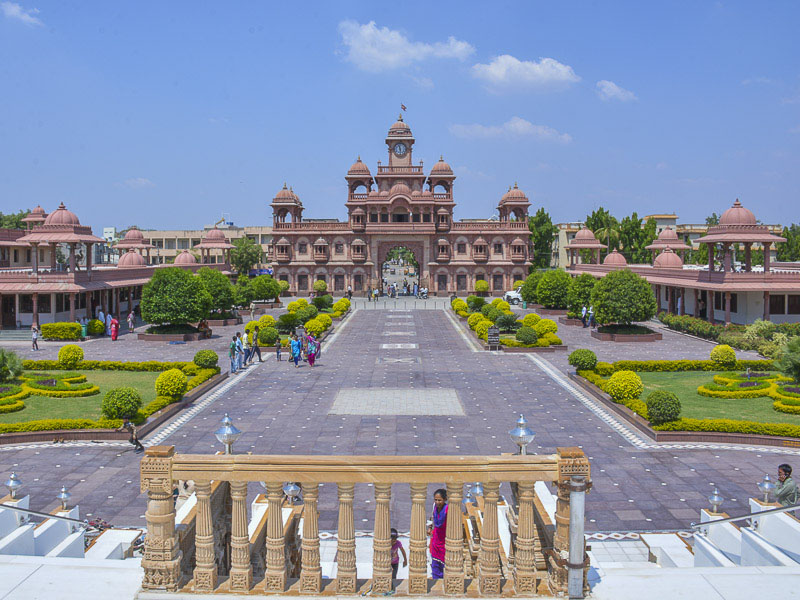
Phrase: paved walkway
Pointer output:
(406, 382)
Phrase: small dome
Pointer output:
(479, 242)
(185, 258)
(668, 260)
(441, 168)
(38, 211)
(384, 193)
(518, 242)
(358, 242)
(214, 235)
(62, 216)
(358, 168)
(442, 242)
(585, 234)
(668, 235)
(416, 194)
(426, 194)
(373, 194)
(283, 242)
(443, 211)
(514, 194)
(400, 188)
(134, 235)
(285, 194)
(131, 259)
(359, 211)
(615, 259)
(321, 242)
(399, 127)
(737, 215)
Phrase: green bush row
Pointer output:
(731, 426)
(61, 331)
(690, 365)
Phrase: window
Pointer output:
(339, 248)
(45, 306)
(302, 248)
(265, 239)
(373, 217)
(498, 248)
(321, 277)
(384, 217)
(28, 256)
(60, 304)
(358, 281)
(302, 282)
(400, 218)
(415, 218)
(338, 283)
(517, 249)
(793, 304)
(170, 244)
(719, 301)
(321, 249)
(25, 303)
(441, 282)
(183, 244)
(426, 217)
(777, 304)
(357, 250)
(16, 255)
(497, 282)
(443, 250)
(283, 277)
(461, 283)
(461, 248)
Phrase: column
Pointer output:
(161, 562)
(747, 256)
(35, 259)
(72, 258)
(671, 300)
(72, 307)
(53, 307)
(727, 308)
(88, 305)
(35, 309)
(346, 555)
(130, 298)
(658, 298)
(53, 262)
(577, 541)
(116, 302)
(311, 575)
(726, 258)
(382, 541)
(696, 300)
(275, 576)
(766, 305)
(453, 543)
(88, 258)
(682, 310)
(205, 570)
(710, 258)
(710, 305)
(766, 256)
(417, 545)
(489, 557)
(241, 575)
(525, 560)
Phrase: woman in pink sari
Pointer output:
(438, 532)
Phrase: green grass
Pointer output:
(41, 407)
(685, 384)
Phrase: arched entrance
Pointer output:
(399, 268)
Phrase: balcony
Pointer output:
(283, 257)
(265, 555)
(387, 170)
(480, 253)
(490, 226)
(315, 225)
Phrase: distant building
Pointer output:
(168, 243)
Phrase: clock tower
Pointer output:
(400, 142)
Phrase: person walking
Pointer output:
(297, 348)
(349, 292)
(114, 329)
(134, 437)
(109, 318)
(584, 310)
(101, 316)
(397, 546)
(438, 530)
(786, 492)
(592, 322)
(278, 348)
(239, 351)
(34, 337)
(369, 294)
(256, 346)
(248, 347)
(232, 354)
(311, 349)
(131, 321)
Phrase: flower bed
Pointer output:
(626, 333)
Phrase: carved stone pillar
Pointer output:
(311, 575)
(346, 555)
(241, 576)
(275, 576)
(418, 557)
(205, 571)
(525, 560)
(382, 541)
(161, 561)
(489, 557)
(454, 543)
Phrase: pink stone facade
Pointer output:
(400, 205)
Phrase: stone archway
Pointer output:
(416, 247)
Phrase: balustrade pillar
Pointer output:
(205, 571)
(382, 541)
(275, 575)
(454, 543)
(417, 545)
(311, 575)
(525, 559)
(241, 575)
(346, 555)
(489, 557)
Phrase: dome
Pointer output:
(134, 235)
(479, 242)
(443, 211)
(441, 167)
(668, 260)
(585, 234)
(737, 215)
(358, 242)
(358, 168)
(426, 194)
(416, 194)
(215, 235)
(359, 211)
(185, 258)
(283, 242)
(285, 194)
(615, 259)
(400, 188)
(131, 259)
(62, 216)
(384, 193)
(373, 194)
(514, 194)
(518, 242)
(38, 211)
(399, 127)
(442, 242)
(321, 242)
(668, 235)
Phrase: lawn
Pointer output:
(41, 407)
(684, 385)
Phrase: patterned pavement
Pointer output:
(283, 409)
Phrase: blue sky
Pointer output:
(167, 114)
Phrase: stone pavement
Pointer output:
(282, 409)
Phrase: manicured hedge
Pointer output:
(61, 331)
(690, 365)
(731, 426)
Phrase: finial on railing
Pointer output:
(227, 434)
(13, 483)
(522, 435)
(477, 489)
(291, 490)
(766, 487)
(715, 500)
(63, 496)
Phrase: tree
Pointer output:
(243, 293)
(605, 228)
(174, 296)
(623, 297)
(789, 250)
(788, 362)
(713, 219)
(245, 254)
(528, 291)
(219, 288)
(553, 289)
(543, 233)
(580, 294)
(13, 220)
(320, 286)
(265, 288)
(635, 236)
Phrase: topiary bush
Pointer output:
(314, 326)
(723, 355)
(623, 297)
(545, 326)
(284, 285)
(61, 331)
(474, 319)
(493, 314)
(475, 302)
(320, 286)
(307, 313)
(287, 322)
(518, 283)
(580, 294)
(481, 286)
(174, 296)
(485, 309)
(527, 335)
(295, 305)
(171, 383)
(121, 402)
(10, 365)
(552, 339)
(267, 336)
(553, 289)
(503, 306)
(322, 302)
(624, 385)
(340, 306)
(528, 291)
(482, 328)
(206, 359)
(507, 323)
(459, 305)
(531, 319)
(266, 321)
(325, 320)
(95, 327)
(604, 369)
(583, 359)
(69, 356)
(663, 407)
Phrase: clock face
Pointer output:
(400, 149)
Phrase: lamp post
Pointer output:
(292, 491)
(522, 435)
(766, 487)
(227, 434)
(715, 500)
(477, 490)
(13, 483)
(63, 496)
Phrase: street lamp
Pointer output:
(522, 435)
(715, 500)
(767, 487)
(63, 496)
(13, 483)
(227, 434)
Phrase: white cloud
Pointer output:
(12, 10)
(507, 71)
(514, 127)
(608, 90)
(136, 183)
(375, 49)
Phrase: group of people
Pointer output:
(244, 348)
(587, 317)
(305, 347)
(111, 323)
(393, 290)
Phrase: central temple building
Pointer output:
(400, 205)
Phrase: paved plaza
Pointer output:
(428, 390)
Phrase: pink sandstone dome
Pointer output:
(215, 235)
(514, 194)
(585, 234)
(441, 168)
(359, 211)
(668, 235)
(443, 211)
(285, 194)
(737, 215)
(668, 260)
(358, 168)
(38, 211)
(131, 259)
(62, 216)
(400, 188)
(185, 258)
(399, 127)
(615, 259)
(133, 235)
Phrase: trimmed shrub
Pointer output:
(528, 291)
(531, 319)
(121, 402)
(174, 296)
(475, 302)
(206, 359)
(553, 289)
(325, 320)
(507, 323)
(61, 331)
(10, 365)
(459, 304)
(287, 322)
(583, 359)
(552, 339)
(789, 361)
(320, 286)
(580, 294)
(604, 369)
(493, 314)
(502, 305)
(518, 283)
(171, 383)
(545, 326)
(218, 286)
(265, 288)
(474, 319)
(623, 297)
(482, 328)
(95, 327)
(321, 302)
(284, 285)
(340, 307)
(266, 321)
(485, 309)
(462, 313)
(307, 313)
(315, 326)
(723, 355)
(267, 336)
(624, 385)
(496, 301)
(295, 305)
(69, 356)
(526, 335)
(481, 286)
(663, 407)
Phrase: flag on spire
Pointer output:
(403, 106)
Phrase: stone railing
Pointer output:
(230, 554)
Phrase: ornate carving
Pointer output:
(382, 541)
(417, 560)
(346, 555)
(454, 543)
(205, 572)
(311, 575)
(489, 557)
(525, 561)
(275, 578)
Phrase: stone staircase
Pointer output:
(15, 335)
